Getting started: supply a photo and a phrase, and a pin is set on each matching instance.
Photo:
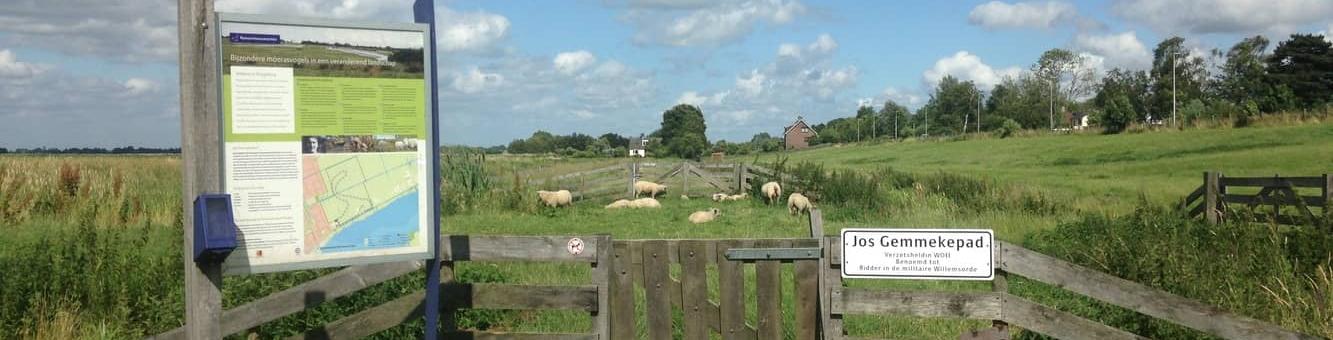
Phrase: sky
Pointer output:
(76, 73)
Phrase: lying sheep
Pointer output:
(619, 204)
(736, 197)
(555, 198)
(646, 202)
(684, 197)
(718, 197)
(798, 203)
(704, 216)
(650, 188)
(772, 191)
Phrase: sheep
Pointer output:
(704, 216)
(798, 203)
(772, 191)
(735, 197)
(555, 198)
(646, 202)
(718, 197)
(650, 188)
(684, 197)
(618, 204)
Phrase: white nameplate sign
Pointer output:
(920, 254)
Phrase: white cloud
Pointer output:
(902, 97)
(1123, 50)
(966, 66)
(751, 85)
(474, 80)
(128, 30)
(1224, 16)
(704, 23)
(477, 31)
(11, 67)
(569, 63)
(138, 86)
(999, 15)
(340, 9)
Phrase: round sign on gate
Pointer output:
(575, 246)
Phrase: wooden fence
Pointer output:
(674, 277)
(1210, 199)
(690, 178)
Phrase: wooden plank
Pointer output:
(830, 281)
(622, 293)
(656, 276)
(1137, 297)
(539, 182)
(601, 278)
(768, 293)
(1211, 202)
(965, 305)
(1313, 201)
(1056, 323)
(519, 336)
(1299, 182)
(370, 321)
(515, 248)
(200, 158)
(694, 288)
(708, 179)
(521, 297)
(1189, 199)
(731, 286)
(306, 295)
(675, 170)
(807, 298)
(1000, 284)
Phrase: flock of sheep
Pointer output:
(772, 191)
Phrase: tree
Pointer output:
(683, 131)
(893, 118)
(1066, 75)
(764, 142)
(1304, 65)
(1177, 77)
(1134, 86)
(1243, 77)
(4, 150)
(865, 123)
(615, 140)
(949, 104)
(1117, 114)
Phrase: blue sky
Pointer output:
(80, 73)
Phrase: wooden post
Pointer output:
(1328, 198)
(629, 168)
(1000, 284)
(1211, 197)
(200, 158)
(685, 178)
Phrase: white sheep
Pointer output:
(555, 198)
(619, 204)
(718, 197)
(736, 197)
(685, 197)
(798, 203)
(650, 188)
(772, 191)
(704, 216)
(646, 202)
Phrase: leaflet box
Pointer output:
(214, 227)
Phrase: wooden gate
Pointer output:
(674, 277)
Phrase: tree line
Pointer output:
(93, 150)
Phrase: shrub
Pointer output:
(1117, 115)
(1007, 128)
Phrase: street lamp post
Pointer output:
(1173, 88)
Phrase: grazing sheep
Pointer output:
(798, 203)
(619, 204)
(718, 197)
(650, 188)
(704, 216)
(772, 191)
(685, 197)
(735, 197)
(646, 202)
(555, 198)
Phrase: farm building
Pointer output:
(639, 147)
(797, 135)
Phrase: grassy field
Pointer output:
(66, 218)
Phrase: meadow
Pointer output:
(90, 245)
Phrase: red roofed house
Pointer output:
(797, 135)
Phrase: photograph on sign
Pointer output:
(921, 254)
(325, 142)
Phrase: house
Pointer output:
(639, 147)
(797, 135)
(1079, 120)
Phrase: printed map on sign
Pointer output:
(360, 201)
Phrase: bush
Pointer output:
(1117, 115)
(1007, 128)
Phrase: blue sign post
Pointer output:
(424, 13)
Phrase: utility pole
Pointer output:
(1052, 117)
(979, 96)
(1173, 88)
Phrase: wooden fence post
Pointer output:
(1328, 198)
(685, 178)
(629, 169)
(200, 158)
(1212, 201)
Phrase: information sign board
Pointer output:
(923, 254)
(326, 141)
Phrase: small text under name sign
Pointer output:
(920, 254)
